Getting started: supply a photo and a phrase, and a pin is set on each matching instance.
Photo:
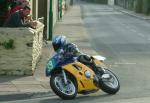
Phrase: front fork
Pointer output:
(96, 69)
(64, 76)
(99, 71)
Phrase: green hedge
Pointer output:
(139, 6)
(101, 1)
(146, 6)
(98, 1)
(130, 4)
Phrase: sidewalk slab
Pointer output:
(7, 88)
(72, 27)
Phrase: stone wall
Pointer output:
(20, 50)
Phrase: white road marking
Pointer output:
(134, 30)
(140, 34)
(127, 27)
(124, 63)
(149, 39)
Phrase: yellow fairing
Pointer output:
(83, 82)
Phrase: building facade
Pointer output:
(49, 11)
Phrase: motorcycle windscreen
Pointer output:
(50, 66)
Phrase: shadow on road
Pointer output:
(5, 79)
(79, 99)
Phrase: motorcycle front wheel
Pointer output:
(109, 82)
(64, 91)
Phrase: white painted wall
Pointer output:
(55, 11)
(48, 6)
(111, 2)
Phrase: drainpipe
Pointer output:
(50, 21)
(71, 2)
(60, 8)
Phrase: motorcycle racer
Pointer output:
(69, 50)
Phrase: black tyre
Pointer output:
(64, 91)
(109, 82)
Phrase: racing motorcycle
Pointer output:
(71, 76)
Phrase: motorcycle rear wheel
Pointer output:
(65, 91)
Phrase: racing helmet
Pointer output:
(58, 42)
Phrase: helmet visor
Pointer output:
(56, 46)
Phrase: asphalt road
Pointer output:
(81, 99)
(125, 41)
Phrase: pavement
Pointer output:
(23, 87)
